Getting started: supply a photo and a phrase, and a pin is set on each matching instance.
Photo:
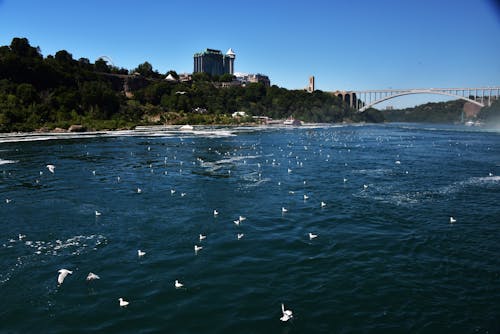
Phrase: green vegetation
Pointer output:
(58, 91)
(440, 112)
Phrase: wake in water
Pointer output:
(28, 252)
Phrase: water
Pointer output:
(386, 258)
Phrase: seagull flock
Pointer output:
(286, 313)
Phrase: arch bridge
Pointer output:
(364, 99)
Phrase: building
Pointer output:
(310, 87)
(245, 78)
(213, 62)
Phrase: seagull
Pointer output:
(140, 253)
(365, 186)
(7, 200)
(237, 222)
(123, 302)
(21, 236)
(289, 170)
(197, 248)
(398, 162)
(51, 168)
(490, 174)
(92, 276)
(139, 190)
(62, 275)
(306, 197)
(323, 204)
(183, 194)
(172, 191)
(452, 220)
(93, 172)
(202, 237)
(178, 284)
(283, 210)
(97, 213)
(312, 236)
(241, 218)
(287, 314)
(240, 235)
(345, 180)
(216, 213)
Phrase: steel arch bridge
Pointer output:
(364, 99)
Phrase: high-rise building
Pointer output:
(213, 62)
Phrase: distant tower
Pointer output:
(310, 88)
(229, 61)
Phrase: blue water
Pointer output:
(386, 259)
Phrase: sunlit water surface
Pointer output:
(386, 259)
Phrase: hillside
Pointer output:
(57, 91)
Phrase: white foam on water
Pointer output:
(77, 245)
(4, 162)
(388, 195)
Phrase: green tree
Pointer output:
(144, 69)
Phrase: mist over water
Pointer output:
(386, 259)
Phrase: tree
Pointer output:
(21, 47)
(101, 66)
(144, 69)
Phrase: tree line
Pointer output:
(57, 91)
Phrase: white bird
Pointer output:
(178, 284)
(202, 237)
(365, 186)
(398, 162)
(62, 275)
(283, 209)
(323, 204)
(490, 174)
(183, 194)
(123, 302)
(21, 236)
(140, 253)
(287, 314)
(139, 190)
(216, 213)
(345, 180)
(241, 218)
(93, 172)
(237, 222)
(452, 220)
(306, 197)
(92, 276)
(97, 213)
(312, 236)
(289, 170)
(197, 248)
(240, 235)
(51, 168)
(172, 191)
(7, 200)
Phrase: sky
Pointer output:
(346, 45)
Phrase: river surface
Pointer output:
(386, 258)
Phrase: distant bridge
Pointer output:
(364, 99)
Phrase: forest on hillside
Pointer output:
(56, 91)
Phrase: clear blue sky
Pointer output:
(356, 44)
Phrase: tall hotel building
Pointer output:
(214, 62)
